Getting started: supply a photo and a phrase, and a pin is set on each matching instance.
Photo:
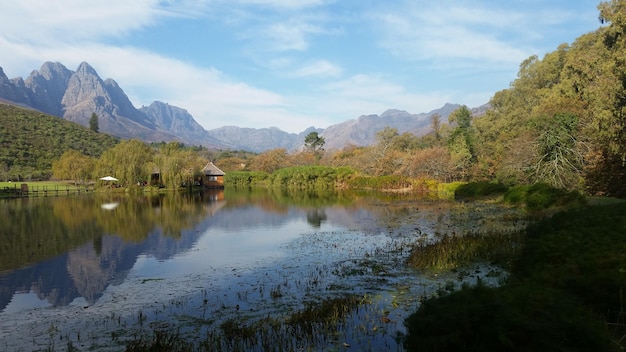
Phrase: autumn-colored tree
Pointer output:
(231, 164)
(430, 163)
(304, 158)
(270, 160)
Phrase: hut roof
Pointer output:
(211, 170)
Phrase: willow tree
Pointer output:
(73, 166)
(128, 161)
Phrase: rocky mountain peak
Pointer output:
(84, 69)
(83, 86)
(54, 70)
(3, 77)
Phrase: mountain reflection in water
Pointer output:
(64, 250)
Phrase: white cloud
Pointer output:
(453, 33)
(42, 21)
(319, 68)
(213, 99)
(287, 4)
(367, 94)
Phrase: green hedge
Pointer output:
(246, 178)
(311, 177)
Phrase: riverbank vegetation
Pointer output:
(565, 293)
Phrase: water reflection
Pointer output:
(60, 249)
(211, 257)
(64, 250)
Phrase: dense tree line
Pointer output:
(135, 162)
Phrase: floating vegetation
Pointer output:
(309, 327)
(453, 251)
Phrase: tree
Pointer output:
(435, 124)
(73, 166)
(461, 141)
(93, 123)
(559, 154)
(270, 160)
(313, 142)
(384, 160)
(128, 161)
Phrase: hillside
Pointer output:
(30, 141)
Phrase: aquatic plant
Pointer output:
(565, 293)
(453, 251)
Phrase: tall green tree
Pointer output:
(314, 142)
(461, 141)
(93, 123)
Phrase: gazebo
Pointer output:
(212, 176)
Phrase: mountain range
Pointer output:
(76, 95)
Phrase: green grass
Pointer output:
(41, 184)
(565, 293)
(541, 196)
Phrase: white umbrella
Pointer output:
(109, 206)
(108, 178)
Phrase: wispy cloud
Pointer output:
(451, 33)
(286, 4)
(41, 21)
(319, 68)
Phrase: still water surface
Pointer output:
(83, 269)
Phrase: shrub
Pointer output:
(479, 189)
(542, 196)
(245, 178)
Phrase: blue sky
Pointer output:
(292, 64)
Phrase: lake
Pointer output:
(97, 271)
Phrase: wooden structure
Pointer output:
(212, 176)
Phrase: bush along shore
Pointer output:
(565, 293)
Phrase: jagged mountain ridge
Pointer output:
(75, 95)
(362, 131)
(261, 139)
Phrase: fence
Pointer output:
(23, 190)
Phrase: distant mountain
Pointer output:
(180, 123)
(258, 140)
(75, 95)
(362, 131)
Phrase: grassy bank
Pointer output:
(565, 293)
